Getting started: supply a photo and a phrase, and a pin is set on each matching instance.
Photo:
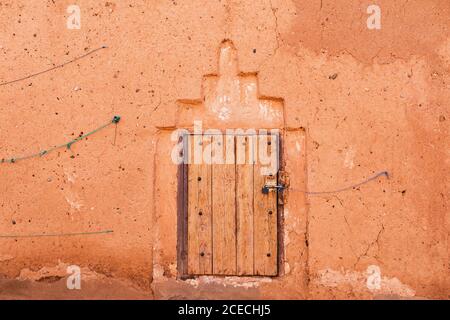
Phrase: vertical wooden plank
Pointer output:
(265, 212)
(182, 230)
(244, 204)
(224, 210)
(199, 210)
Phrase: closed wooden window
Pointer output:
(231, 204)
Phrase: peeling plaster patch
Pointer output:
(370, 280)
(193, 282)
(267, 112)
(249, 93)
(227, 54)
(289, 227)
(158, 271)
(263, 110)
(332, 278)
(173, 269)
(60, 270)
(5, 257)
(234, 281)
(349, 157)
(286, 238)
(73, 202)
(224, 113)
(373, 278)
(444, 52)
(70, 176)
(220, 108)
(292, 224)
(287, 268)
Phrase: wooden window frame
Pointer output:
(182, 217)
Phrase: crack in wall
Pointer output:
(278, 39)
(376, 241)
(277, 34)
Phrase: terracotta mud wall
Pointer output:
(355, 101)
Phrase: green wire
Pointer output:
(115, 120)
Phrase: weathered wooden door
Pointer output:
(232, 204)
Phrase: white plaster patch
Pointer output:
(263, 110)
(249, 93)
(373, 277)
(71, 177)
(74, 202)
(371, 280)
(444, 52)
(192, 282)
(287, 268)
(286, 238)
(224, 113)
(158, 271)
(286, 213)
(267, 112)
(292, 224)
(244, 282)
(349, 158)
(220, 107)
(59, 270)
(5, 257)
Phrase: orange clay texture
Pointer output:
(350, 102)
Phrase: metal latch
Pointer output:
(277, 187)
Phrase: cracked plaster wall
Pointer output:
(368, 100)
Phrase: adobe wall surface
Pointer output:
(355, 102)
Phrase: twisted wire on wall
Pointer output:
(115, 120)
